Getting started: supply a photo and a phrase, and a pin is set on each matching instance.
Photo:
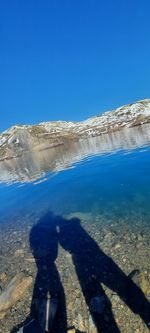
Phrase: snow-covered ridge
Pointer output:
(21, 138)
(122, 116)
(125, 113)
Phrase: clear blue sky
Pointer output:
(71, 59)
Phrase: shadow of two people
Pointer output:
(92, 266)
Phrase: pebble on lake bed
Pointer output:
(140, 278)
(19, 252)
(3, 277)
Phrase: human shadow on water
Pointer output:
(44, 246)
(48, 309)
(94, 267)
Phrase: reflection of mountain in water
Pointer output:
(36, 164)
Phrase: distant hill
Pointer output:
(22, 138)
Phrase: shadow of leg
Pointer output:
(98, 303)
(90, 261)
(48, 301)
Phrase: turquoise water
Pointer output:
(81, 178)
(78, 217)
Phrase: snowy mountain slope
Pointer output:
(22, 138)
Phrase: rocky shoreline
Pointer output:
(125, 243)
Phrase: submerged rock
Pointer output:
(14, 292)
(3, 277)
(19, 253)
(141, 280)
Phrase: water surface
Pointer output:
(92, 196)
(108, 174)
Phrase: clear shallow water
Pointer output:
(104, 175)
(104, 183)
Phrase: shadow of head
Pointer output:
(43, 238)
(70, 233)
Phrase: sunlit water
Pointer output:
(105, 183)
(104, 175)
